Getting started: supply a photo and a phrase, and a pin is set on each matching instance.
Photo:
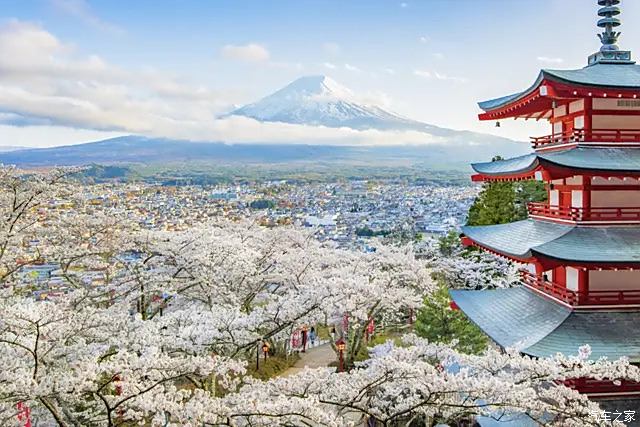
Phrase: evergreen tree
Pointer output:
(438, 322)
(502, 202)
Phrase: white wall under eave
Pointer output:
(615, 122)
(614, 280)
(578, 122)
(557, 128)
(576, 106)
(615, 199)
(560, 111)
(598, 180)
(576, 199)
(574, 180)
(572, 278)
(554, 198)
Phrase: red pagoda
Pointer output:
(580, 251)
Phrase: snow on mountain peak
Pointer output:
(321, 101)
(322, 86)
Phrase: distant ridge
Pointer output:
(311, 101)
(141, 150)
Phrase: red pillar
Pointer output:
(583, 284)
(586, 196)
(588, 111)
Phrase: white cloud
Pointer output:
(353, 68)
(251, 52)
(329, 65)
(550, 60)
(390, 71)
(426, 74)
(404, 5)
(43, 78)
(438, 55)
(441, 76)
(424, 39)
(74, 96)
(423, 73)
(49, 136)
(81, 10)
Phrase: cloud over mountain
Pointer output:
(47, 82)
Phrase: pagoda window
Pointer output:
(554, 197)
(576, 106)
(576, 198)
(557, 128)
(578, 122)
(560, 111)
(572, 278)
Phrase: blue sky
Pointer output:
(72, 70)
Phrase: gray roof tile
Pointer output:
(530, 237)
(541, 328)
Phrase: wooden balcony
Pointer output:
(574, 298)
(600, 215)
(587, 135)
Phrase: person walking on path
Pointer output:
(312, 337)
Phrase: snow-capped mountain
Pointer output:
(321, 101)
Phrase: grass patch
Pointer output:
(272, 367)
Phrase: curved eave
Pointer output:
(540, 327)
(594, 161)
(516, 239)
(531, 239)
(623, 79)
(502, 102)
(513, 166)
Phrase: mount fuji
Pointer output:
(321, 101)
(310, 101)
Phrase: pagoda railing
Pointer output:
(587, 135)
(600, 214)
(574, 298)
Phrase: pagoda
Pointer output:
(580, 251)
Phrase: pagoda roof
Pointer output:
(623, 76)
(540, 327)
(581, 157)
(531, 238)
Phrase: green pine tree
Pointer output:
(502, 202)
(437, 322)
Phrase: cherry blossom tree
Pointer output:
(163, 339)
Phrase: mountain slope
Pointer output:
(140, 150)
(320, 101)
(311, 101)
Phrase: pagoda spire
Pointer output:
(609, 37)
(609, 52)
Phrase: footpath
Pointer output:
(315, 357)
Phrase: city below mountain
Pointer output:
(310, 101)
